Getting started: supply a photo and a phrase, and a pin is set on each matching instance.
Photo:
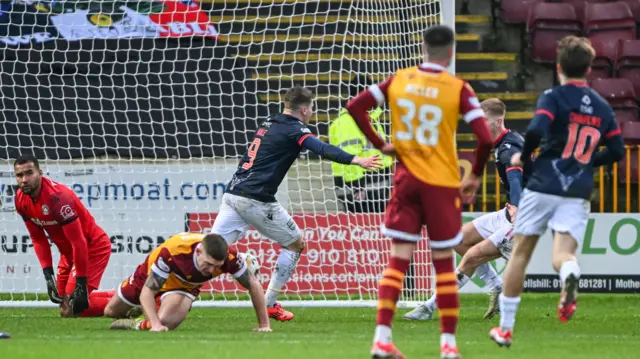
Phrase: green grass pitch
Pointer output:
(605, 326)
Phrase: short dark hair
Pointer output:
(575, 55)
(297, 96)
(437, 39)
(26, 158)
(493, 107)
(215, 246)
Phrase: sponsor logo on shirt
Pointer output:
(44, 223)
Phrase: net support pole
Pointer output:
(448, 17)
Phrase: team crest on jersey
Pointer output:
(45, 209)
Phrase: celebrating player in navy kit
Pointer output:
(250, 197)
(572, 120)
(490, 236)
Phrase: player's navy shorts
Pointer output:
(130, 289)
(414, 204)
(99, 253)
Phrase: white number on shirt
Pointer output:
(429, 117)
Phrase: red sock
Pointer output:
(144, 325)
(97, 302)
(390, 288)
(447, 294)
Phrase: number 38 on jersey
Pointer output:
(421, 122)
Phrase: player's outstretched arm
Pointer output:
(251, 283)
(151, 287)
(335, 154)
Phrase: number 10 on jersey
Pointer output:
(429, 117)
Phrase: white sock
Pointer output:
(285, 266)
(431, 303)
(448, 338)
(489, 276)
(569, 267)
(383, 334)
(508, 309)
(462, 280)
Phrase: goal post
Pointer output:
(144, 112)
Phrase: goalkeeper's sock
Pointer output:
(389, 291)
(489, 276)
(285, 266)
(447, 294)
(97, 302)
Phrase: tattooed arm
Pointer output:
(152, 286)
(256, 293)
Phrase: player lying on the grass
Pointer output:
(49, 207)
(4, 335)
(571, 120)
(490, 236)
(174, 273)
(426, 104)
(250, 197)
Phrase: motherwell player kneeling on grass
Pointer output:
(174, 273)
(49, 207)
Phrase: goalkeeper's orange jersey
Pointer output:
(426, 103)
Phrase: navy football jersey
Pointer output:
(574, 120)
(508, 144)
(275, 146)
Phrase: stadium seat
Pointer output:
(547, 24)
(634, 6)
(579, 6)
(630, 132)
(627, 64)
(602, 66)
(609, 22)
(516, 11)
(620, 95)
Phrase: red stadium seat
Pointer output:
(516, 11)
(634, 6)
(579, 6)
(602, 66)
(609, 22)
(547, 24)
(620, 95)
(627, 64)
(631, 132)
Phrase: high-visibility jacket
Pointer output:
(345, 133)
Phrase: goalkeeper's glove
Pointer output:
(79, 300)
(52, 289)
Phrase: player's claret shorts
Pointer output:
(415, 203)
(130, 289)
